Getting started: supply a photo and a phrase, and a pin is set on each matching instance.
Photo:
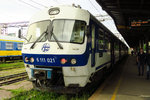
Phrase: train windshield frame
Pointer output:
(35, 30)
(65, 30)
(72, 31)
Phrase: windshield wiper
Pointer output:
(48, 30)
(43, 34)
(52, 34)
(30, 38)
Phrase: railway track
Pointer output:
(6, 80)
(2, 69)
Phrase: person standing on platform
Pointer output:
(141, 57)
(148, 65)
(132, 52)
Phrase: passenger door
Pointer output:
(93, 45)
(112, 52)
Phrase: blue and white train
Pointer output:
(65, 46)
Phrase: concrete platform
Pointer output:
(124, 84)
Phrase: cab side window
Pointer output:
(100, 39)
(107, 43)
(116, 46)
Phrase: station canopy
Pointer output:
(132, 18)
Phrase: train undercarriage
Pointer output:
(42, 81)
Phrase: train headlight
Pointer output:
(73, 61)
(26, 59)
(31, 59)
(63, 61)
(54, 11)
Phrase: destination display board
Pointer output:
(140, 23)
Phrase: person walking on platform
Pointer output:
(148, 65)
(132, 52)
(141, 57)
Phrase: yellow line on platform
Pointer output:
(96, 95)
(119, 83)
(116, 89)
(100, 89)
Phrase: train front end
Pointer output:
(55, 52)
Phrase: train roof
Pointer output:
(10, 38)
(64, 12)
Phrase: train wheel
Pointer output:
(34, 84)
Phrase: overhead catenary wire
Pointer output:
(29, 4)
(38, 3)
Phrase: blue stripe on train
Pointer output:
(103, 65)
(54, 60)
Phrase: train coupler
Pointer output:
(41, 73)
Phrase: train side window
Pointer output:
(19, 45)
(100, 40)
(93, 36)
(116, 46)
(0, 45)
(9, 45)
(107, 43)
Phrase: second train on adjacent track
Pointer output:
(10, 48)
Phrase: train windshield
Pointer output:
(69, 31)
(36, 30)
(64, 30)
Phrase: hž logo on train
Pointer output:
(45, 47)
